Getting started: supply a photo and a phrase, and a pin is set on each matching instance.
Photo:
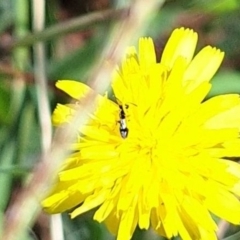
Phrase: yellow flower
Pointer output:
(156, 156)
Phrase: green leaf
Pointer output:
(6, 15)
(224, 83)
(28, 137)
(235, 236)
(16, 170)
(218, 6)
(4, 103)
(85, 228)
(77, 64)
(6, 160)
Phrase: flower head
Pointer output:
(157, 155)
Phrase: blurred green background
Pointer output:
(70, 52)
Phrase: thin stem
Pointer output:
(42, 96)
(222, 229)
(56, 227)
(70, 26)
(40, 76)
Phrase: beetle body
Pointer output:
(123, 123)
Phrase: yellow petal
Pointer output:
(74, 89)
(147, 55)
(90, 202)
(203, 67)
(226, 119)
(224, 205)
(213, 107)
(127, 224)
(61, 199)
(62, 114)
(182, 43)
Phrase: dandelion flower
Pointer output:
(157, 155)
